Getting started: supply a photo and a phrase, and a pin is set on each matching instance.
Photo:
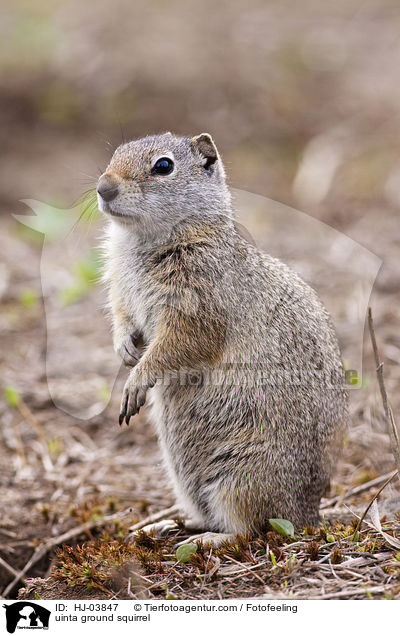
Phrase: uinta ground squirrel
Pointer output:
(234, 352)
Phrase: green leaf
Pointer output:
(28, 298)
(54, 446)
(104, 393)
(86, 273)
(88, 269)
(71, 295)
(184, 552)
(50, 220)
(282, 526)
(169, 596)
(12, 396)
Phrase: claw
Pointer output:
(131, 406)
(141, 398)
(124, 404)
(132, 400)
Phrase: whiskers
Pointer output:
(87, 202)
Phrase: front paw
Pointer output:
(126, 348)
(134, 396)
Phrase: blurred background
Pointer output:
(302, 99)
(275, 82)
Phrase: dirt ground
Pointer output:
(304, 110)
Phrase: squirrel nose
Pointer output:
(107, 187)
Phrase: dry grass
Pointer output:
(320, 563)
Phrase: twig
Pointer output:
(8, 533)
(19, 444)
(355, 592)
(8, 567)
(357, 490)
(372, 501)
(247, 568)
(40, 434)
(29, 417)
(129, 593)
(391, 424)
(36, 556)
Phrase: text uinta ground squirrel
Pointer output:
(235, 353)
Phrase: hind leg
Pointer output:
(212, 538)
(163, 527)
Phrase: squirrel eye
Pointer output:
(163, 166)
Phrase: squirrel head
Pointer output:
(152, 184)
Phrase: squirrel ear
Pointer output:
(205, 146)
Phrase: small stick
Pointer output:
(372, 501)
(29, 417)
(8, 567)
(8, 533)
(391, 424)
(358, 489)
(247, 568)
(36, 556)
(40, 433)
(19, 444)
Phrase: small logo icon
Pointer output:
(26, 615)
